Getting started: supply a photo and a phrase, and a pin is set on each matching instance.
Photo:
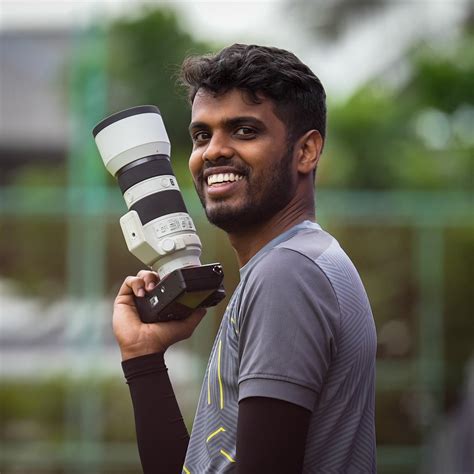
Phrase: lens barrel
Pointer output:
(135, 148)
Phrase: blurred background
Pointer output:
(394, 187)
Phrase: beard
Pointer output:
(265, 195)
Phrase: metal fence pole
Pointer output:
(86, 251)
(430, 263)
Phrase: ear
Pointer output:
(309, 148)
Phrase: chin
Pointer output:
(229, 220)
(233, 220)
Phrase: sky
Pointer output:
(367, 48)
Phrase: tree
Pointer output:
(416, 135)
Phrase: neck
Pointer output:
(249, 241)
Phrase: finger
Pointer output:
(150, 278)
(143, 273)
(132, 285)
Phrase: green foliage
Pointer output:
(35, 257)
(444, 78)
(419, 135)
(32, 410)
(38, 409)
(364, 140)
(44, 176)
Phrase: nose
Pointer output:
(217, 147)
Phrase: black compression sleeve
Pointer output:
(162, 436)
(271, 436)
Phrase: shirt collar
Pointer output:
(288, 234)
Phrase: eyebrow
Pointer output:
(230, 123)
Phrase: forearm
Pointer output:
(162, 436)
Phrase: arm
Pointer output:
(161, 434)
(287, 340)
(271, 433)
(271, 436)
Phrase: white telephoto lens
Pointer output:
(135, 148)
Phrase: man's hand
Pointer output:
(136, 338)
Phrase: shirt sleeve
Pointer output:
(289, 319)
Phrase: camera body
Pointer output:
(181, 292)
(135, 148)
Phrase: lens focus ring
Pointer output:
(140, 170)
(148, 187)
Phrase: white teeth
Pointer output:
(223, 177)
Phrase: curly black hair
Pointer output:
(298, 95)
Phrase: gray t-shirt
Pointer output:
(298, 328)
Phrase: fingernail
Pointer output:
(151, 285)
(141, 292)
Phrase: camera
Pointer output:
(135, 148)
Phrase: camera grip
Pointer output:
(181, 292)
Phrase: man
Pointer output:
(290, 382)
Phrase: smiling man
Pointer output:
(235, 142)
(289, 385)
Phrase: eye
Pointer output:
(201, 136)
(245, 132)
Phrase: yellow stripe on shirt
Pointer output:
(220, 430)
(227, 455)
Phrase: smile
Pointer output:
(220, 178)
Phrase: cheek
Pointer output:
(195, 164)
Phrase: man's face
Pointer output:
(242, 169)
